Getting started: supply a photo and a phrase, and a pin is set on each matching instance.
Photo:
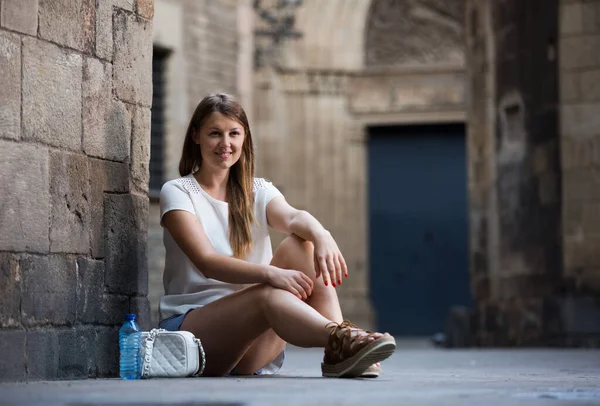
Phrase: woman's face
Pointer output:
(220, 139)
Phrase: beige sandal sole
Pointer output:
(354, 366)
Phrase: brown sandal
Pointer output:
(349, 353)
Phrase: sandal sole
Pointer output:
(353, 367)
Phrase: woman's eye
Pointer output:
(214, 134)
(234, 133)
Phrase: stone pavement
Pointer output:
(415, 375)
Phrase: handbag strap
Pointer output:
(149, 344)
(202, 357)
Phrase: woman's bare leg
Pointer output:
(292, 253)
(229, 326)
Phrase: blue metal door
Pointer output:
(417, 226)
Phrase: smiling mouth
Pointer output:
(224, 155)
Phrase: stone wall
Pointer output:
(529, 180)
(579, 78)
(74, 134)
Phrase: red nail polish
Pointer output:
(346, 275)
(333, 284)
(340, 282)
(326, 283)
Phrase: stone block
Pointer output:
(10, 86)
(570, 89)
(577, 153)
(145, 8)
(25, 199)
(10, 290)
(12, 362)
(580, 17)
(106, 348)
(581, 184)
(125, 230)
(140, 305)
(42, 354)
(580, 120)
(106, 122)
(19, 15)
(107, 176)
(69, 22)
(70, 216)
(51, 95)
(581, 253)
(132, 58)
(94, 306)
(104, 33)
(580, 315)
(579, 52)
(590, 85)
(76, 352)
(140, 150)
(460, 328)
(128, 5)
(49, 290)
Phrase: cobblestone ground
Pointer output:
(414, 375)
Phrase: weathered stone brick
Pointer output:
(590, 85)
(580, 152)
(107, 176)
(140, 150)
(12, 362)
(10, 290)
(580, 52)
(580, 315)
(76, 352)
(70, 196)
(19, 15)
(51, 95)
(106, 122)
(68, 22)
(25, 199)
(581, 253)
(125, 222)
(133, 58)
(106, 348)
(94, 305)
(580, 120)
(140, 305)
(128, 5)
(570, 89)
(104, 32)
(582, 184)
(10, 86)
(145, 8)
(42, 354)
(49, 290)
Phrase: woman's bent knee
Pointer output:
(296, 253)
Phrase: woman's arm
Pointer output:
(188, 233)
(329, 261)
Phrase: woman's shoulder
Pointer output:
(261, 184)
(183, 184)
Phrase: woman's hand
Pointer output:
(295, 282)
(329, 261)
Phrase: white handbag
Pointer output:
(171, 354)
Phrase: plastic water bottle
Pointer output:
(130, 339)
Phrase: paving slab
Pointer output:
(415, 375)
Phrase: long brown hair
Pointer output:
(240, 195)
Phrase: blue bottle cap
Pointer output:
(130, 317)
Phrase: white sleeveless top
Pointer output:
(186, 287)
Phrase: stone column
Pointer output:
(76, 92)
